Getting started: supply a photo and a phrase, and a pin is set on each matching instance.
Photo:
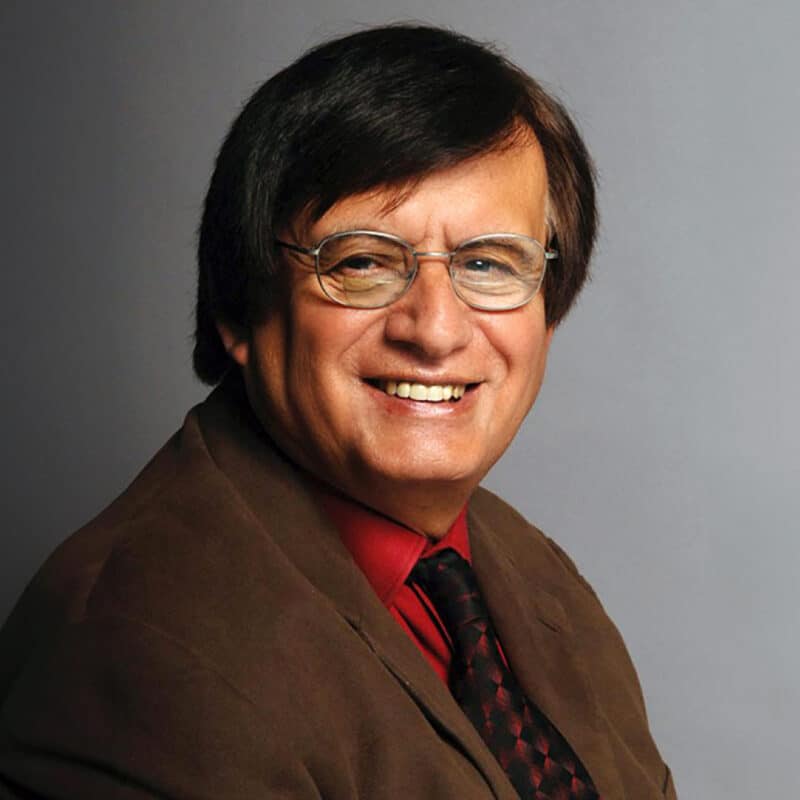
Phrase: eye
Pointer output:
(359, 267)
(486, 266)
(362, 256)
(360, 262)
(364, 271)
(485, 273)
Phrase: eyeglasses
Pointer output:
(369, 269)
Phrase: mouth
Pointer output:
(423, 392)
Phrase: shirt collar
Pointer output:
(385, 550)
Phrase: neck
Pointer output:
(422, 506)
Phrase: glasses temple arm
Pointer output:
(306, 251)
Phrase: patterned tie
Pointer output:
(537, 759)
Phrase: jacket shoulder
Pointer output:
(524, 537)
(545, 568)
(60, 590)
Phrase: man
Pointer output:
(305, 594)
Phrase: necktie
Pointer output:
(537, 759)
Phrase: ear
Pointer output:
(236, 342)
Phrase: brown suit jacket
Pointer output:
(208, 636)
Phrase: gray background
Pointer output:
(663, 452)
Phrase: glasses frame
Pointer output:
(314, 251)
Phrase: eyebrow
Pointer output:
(360, 226)
(511, 246)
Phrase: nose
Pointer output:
(430, 318)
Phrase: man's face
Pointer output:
(316, 371)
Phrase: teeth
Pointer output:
(419, 391)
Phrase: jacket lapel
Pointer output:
(542, 651)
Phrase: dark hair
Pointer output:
(381, 107)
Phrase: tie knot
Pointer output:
(450, 583)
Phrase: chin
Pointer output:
(429, 471)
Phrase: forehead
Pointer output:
(504, 190)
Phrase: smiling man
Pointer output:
(306, 594)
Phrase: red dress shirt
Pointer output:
(386, 552)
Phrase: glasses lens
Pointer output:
(363, 270)
(498, 272)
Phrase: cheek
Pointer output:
(536, 359)
(327, 340)
(322, 347)
(266, 374)
(522, 342)
(288, 380)
(523, 349)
